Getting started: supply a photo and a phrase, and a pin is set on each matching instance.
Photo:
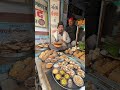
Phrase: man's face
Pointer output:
(60, 28)
(70, 22)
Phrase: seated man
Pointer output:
(71, 29)
(61, 36)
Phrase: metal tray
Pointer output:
(66, 87)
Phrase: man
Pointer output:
(71, 29)
(61, 35)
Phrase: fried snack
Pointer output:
(67, 60)
(55, 71)
(67, 51)
(41, 55)
(71, 66)
(51, 57)
(40, 45)
(76, 66)
(81, 73)
(57, 44)
(77, 55)
(53, 60)
(78, 80)
(71, 72)
(76, 52)
(51, 52)
(45, 56)
(55, 54)
(57, 76)
(49, 65)
(71, 52)
(48, 60)
(82, 57)
(46, 51)
(80, 54)
(46, 45)
(63, 57)
(63, 82)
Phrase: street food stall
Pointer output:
(60, 70)
(65, 69)
(57, 69)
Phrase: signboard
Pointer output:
(55, 14)
(40, 13)
(41, 39)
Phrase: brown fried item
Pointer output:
(78, 80)
(82, 57)
(51, 57)
(45, 56)
(57, 43)
(71, 52)
(41, 55)
(80, 54)
(67, 51)
(49, 65)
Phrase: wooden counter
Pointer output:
(43, 78)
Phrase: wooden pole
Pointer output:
(77, 34)
(101, 20)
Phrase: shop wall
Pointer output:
(55, 16)
(16, 22)
(41, 35)
(41, 22)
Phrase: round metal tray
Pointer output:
(66, 87)
(75, 87)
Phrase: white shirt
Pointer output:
(57, 37)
